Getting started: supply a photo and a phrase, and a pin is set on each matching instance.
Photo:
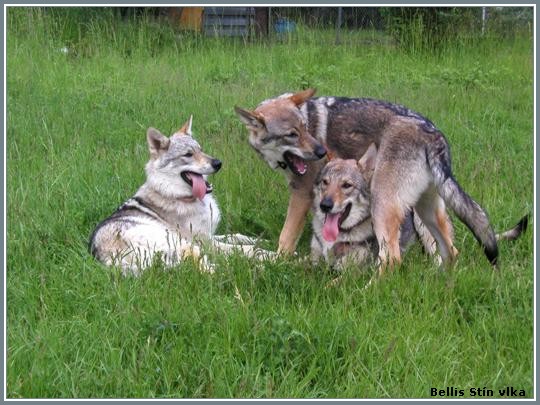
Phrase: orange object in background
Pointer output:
(191, 18)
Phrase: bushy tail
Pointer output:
(466, 209)
(516, 231)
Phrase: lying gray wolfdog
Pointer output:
(412, 170)
(342, 223)
(170, 213)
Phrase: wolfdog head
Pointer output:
(342, 193)
(177, 167)
(279, 133)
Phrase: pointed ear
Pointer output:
(157, 142)
(250, 118)
(302, 96)
(186, 128)
(366, 164)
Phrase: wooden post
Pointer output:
(338, 23)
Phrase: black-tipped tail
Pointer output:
(466, 209)
(516, 231)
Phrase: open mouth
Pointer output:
(297, 165)
(333, 222)
(198, 184)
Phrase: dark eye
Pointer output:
(189, 154)
(346, 185)
(292, 135)
(325, 182)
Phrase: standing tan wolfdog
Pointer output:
(412, 169)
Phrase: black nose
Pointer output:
(320, 151)
(326, 204)
(216, 164)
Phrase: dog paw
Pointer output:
(262, 254)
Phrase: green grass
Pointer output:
(76, 149)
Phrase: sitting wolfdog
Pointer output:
(170, 211)
(342, 222)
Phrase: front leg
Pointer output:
(299, 205)
(251, 251)
(316, 250)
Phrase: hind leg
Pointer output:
(432, 211)
(387, 220)
(429, 244)
(236, 239)
(400, 177)
(392, 195)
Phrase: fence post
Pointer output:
(338, 23)
(484, 18)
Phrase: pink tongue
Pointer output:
(299, 164)
(198, 185)
(330, 229)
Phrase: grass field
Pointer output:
(76, 147)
